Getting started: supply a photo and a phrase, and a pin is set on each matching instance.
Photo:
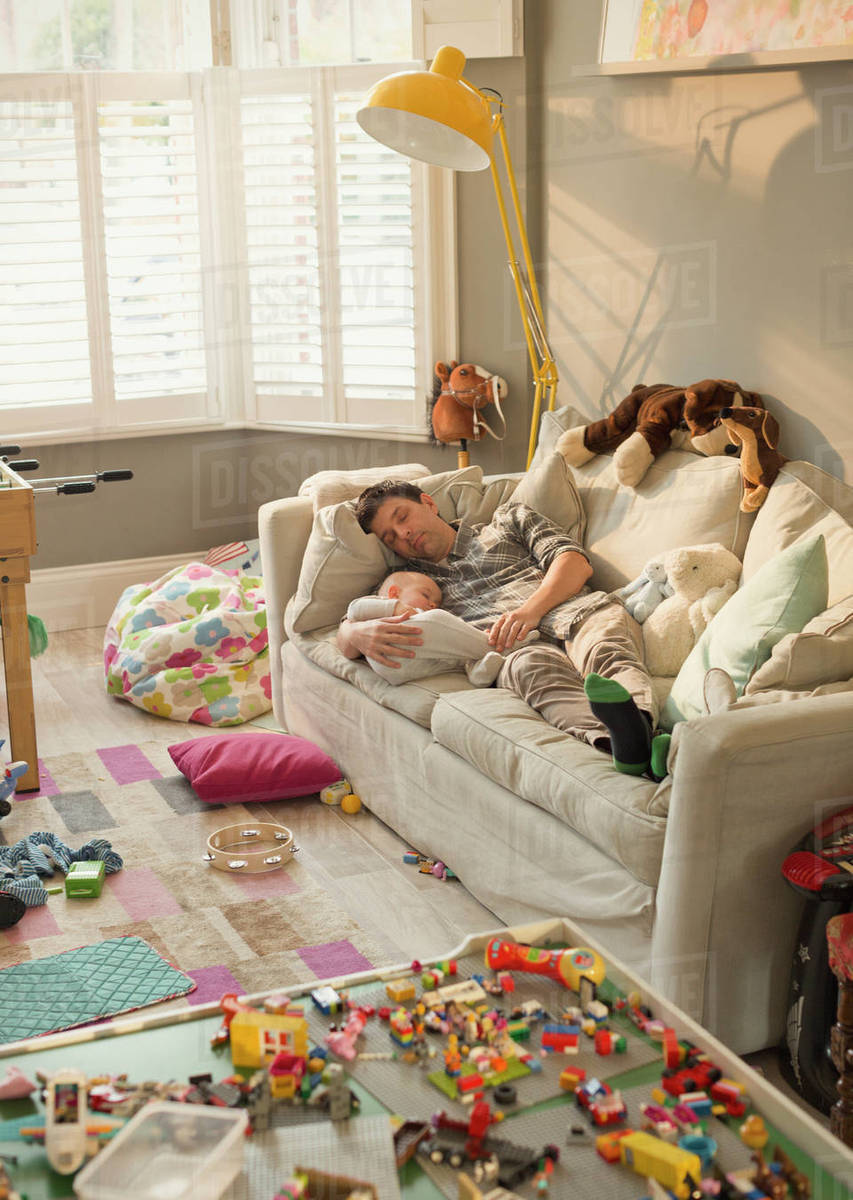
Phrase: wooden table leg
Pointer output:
(19, 682)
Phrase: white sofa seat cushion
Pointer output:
(507, 741)
(414, 700)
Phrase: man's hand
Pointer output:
(511, 627)
(385, 639)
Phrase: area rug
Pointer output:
(62, 991)
(228, 933)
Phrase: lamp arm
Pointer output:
(542, 361)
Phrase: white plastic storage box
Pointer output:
(168, 1151)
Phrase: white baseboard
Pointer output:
(84, 596)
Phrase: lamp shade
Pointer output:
(431, 115)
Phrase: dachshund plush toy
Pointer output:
(651, 419)
(756, 432)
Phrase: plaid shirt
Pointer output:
(495, 568)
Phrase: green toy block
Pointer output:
(84, 880)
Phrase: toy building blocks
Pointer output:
(400, 990)
(286, 1072)
(327, 1000)
(675, 1168)
(562, 1038)
(257, 1037)
(84, 880)
(607, 1110)
(342, 1041)
(608, 1042)
(571, 1077)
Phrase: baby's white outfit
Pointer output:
(448, 644)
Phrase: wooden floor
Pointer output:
(358, 858)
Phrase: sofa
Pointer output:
(679, 879)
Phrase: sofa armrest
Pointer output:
(746, 785)
(284, 527)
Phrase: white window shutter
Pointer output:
(44, 328)
(153, 250)
(286, 311)
(376, 215)
(479, 28)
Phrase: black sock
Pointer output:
(630, 733)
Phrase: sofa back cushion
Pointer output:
(821, 654)
(779, 599)
(342, 562)
(805, 498)
(685, 499)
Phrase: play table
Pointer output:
(176, 1044)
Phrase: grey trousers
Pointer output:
(608, 642)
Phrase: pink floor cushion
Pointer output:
(239, 767)
(192, 646)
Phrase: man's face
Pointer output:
(412, 529)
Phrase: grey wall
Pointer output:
(192, 491)
(698, 226)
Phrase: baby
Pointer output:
(448, 642)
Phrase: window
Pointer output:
(215, 247)
(188, 245)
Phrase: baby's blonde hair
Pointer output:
(396, 578)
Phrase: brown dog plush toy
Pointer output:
(756, 431)
(651, 419)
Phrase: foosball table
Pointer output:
(17, 544)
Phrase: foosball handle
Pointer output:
(839, 937)
(114, 476)
(74, 489)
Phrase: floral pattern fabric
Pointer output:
(192, 646)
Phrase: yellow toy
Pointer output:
(668, 1164)
(350, 803)
(753, 1132)
(257, 1037)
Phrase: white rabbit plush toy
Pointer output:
(702, 579)
(642, 595)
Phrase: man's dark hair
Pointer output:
(372, 497)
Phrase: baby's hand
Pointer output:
(404, 610)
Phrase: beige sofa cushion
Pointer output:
(821, 654)
(507, 741)
(805, 498)
(683, 500)
(414, 699)
(333, 487)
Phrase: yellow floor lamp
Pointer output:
(440, 118)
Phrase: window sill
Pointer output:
(131, 432)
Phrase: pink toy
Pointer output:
(15, 1085)
(342, 1041)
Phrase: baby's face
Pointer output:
(419, 591)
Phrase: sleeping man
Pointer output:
(517, 574)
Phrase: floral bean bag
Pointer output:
(192, 646)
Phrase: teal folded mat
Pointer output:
(49, 994)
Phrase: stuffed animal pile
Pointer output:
(699, 580)
(651, 419)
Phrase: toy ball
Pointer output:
(350, 803)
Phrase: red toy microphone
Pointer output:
(566, 966)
